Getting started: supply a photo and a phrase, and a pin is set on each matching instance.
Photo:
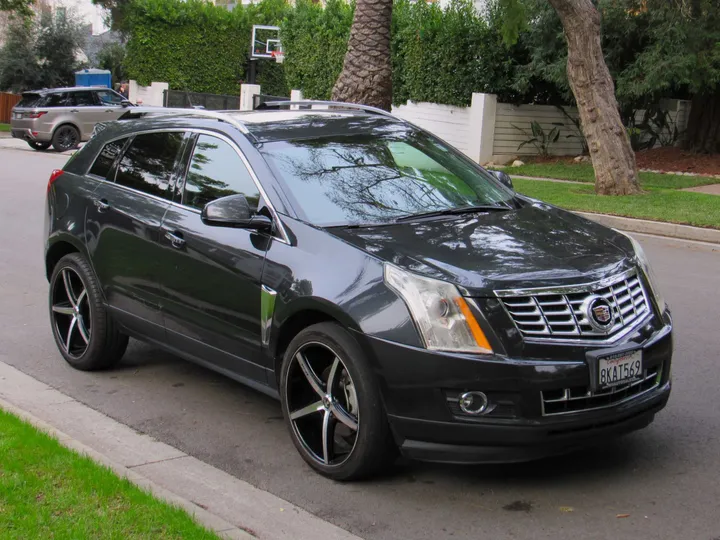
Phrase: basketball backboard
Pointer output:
(265, 41)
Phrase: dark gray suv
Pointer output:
(64, 117)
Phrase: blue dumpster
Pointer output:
(93, 77)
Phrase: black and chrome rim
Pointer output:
(322, 404)
(67, 138)
(71, 312)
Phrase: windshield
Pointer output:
(365, 179)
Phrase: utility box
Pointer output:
(93, 77)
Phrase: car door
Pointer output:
(85, 111)
(123, 225)
(211, 274)
(111, 104)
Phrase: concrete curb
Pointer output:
(659, 228)
(230, 507)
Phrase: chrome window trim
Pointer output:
(267, 311)
(284, 238)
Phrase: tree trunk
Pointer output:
(594, 90)
(703, 130)
(366, 77)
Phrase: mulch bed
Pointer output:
(668, 159)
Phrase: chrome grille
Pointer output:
(569, 400)
(554, 314)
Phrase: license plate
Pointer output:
(621, 368)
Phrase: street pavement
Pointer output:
(664, 479)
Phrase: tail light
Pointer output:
(35, 114)
(57, 173)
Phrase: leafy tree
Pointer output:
(367, 70)
(594, 90)
(22, 8)
(112, 58)
(59, 40)
(118, 13)
(19, 69)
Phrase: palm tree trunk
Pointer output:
(612, 156)
(366, 77)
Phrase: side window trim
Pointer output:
(112, 173)
(183, 168)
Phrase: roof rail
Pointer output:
(344, 104)
(222, 116)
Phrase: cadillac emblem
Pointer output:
(599, 313)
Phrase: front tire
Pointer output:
(84, 331)
(332, 405)
(38, 145)
(65, 138)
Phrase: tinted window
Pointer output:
(106, 158)
(107, 97)
(81, 99)
(148, 163)
(217, 171)
(54, 100)
(379, 177)
(29, 100)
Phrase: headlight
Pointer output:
(644, 264)
(440, 312)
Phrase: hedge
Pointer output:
(441, 56)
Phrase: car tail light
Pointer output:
(57, 173)
(35, 114)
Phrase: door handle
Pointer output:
(101, 204)
(109, 110)
(176, 239)
(74, 110)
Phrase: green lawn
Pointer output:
(583, 172)
(657, 204)
(48, 491)
(5, 127)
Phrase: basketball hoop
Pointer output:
(279, 56)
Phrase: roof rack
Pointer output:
(222, 116)
(344, 104)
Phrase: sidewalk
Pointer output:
(229, 506)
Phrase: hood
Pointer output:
(535, 246)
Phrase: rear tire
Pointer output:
(38, 145)
(84, 331)
(334, 410)
(65, 138)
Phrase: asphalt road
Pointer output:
(665, 477)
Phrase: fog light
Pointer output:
(473, 403)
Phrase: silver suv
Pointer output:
(64, 117)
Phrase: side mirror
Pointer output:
(234, 211)
(126, 103)
(504, 178)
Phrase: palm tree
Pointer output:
(366, 76)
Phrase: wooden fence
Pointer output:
(7, 102)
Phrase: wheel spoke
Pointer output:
(81, 297)
(73, 323)
(326, 437)
(63, 310)
(68, 288)
(310, 374)
(343, 416)
(83, 331)
(312, 408)
(331, 377)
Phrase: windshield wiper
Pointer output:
(454, 211)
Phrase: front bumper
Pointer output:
(420, 388)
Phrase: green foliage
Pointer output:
(315, 40)
(195, 45)
(23, 8)
(112, 58)
(537, 136)
(40, 53)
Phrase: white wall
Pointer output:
(447, 122)
(149, 95)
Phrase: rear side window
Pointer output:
(81, 99)
(148, 163)
(217, 171)
(59, 99)
(29, 101)
(106, 158)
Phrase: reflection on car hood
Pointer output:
(535, 246)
